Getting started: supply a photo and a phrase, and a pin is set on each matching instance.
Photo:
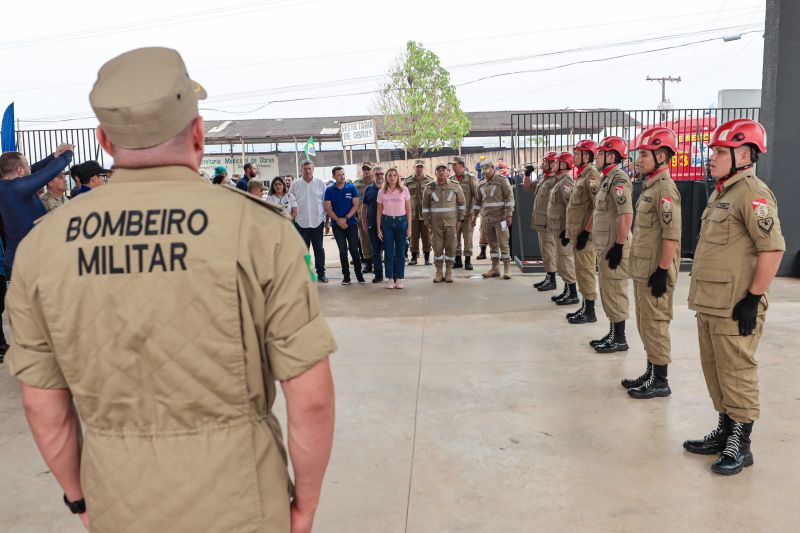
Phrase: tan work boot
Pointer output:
(448, 274)
(506, 269)
(493, 272)
(438, 278)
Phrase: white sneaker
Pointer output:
(398, 284)
(389, 284)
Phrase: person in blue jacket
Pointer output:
(20, 186)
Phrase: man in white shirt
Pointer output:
(309, 192)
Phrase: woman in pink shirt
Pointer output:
(394, 227)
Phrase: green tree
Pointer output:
(419, 105)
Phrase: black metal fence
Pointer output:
(38, 144)
(535, 134)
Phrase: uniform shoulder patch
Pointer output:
(666, 216)
(666, 203)
(760, 207)
(766, 224)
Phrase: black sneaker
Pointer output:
(346, 281)
(377, 279)
(360, 278)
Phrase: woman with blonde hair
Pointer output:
(394, 226)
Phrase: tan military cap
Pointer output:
(457, 159)
(419, 163)
(145, 97)
(367, 164)
(441, 165)
(487, 163)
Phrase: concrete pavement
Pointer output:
(475, 407)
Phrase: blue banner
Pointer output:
(8, 139)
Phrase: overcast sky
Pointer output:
(247, 54)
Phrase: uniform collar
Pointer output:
(608, 169)
(582, 168)
(725, 184)
(547, 174)
(154, 174)
(656, 175)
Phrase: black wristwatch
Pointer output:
(77, 507)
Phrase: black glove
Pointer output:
(746, 313)
(658, 282)
(529, 171)
(564, 239)
(614, 256)
(583, 237)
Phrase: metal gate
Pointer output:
(38, 144)
(535, 134)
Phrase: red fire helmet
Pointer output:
(615, 143)
(588, 145)
(738, 132)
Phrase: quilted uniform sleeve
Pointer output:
(296, 336)
(30, 358)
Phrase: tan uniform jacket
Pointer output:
(540, 200)
(193, 300)
(444, 203)
(469, 185)
(658, 218)
(737, 224)
(360, 184)
(416, 188)
(612, 200)
(50, 201)
(581, 203)
(496, 198)
(558, 201)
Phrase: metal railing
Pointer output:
(38, 144)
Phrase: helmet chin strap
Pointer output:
(734, 170)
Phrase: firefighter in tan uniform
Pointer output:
(444, 207)
(736, 259)
(556, 225)
(469, 185)
(362, 183)
(547, 246)
(655, 259)
(496, 198)
(611, 232)
(579, 213)
(186, 330)
(416, 184)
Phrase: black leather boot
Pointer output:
(551, 283)
(413, 260)
(617, 343)
(736, 454)
(605, 339)
(587, 316)
(571, 298)
(579, 311)
(467, 263)
(559, 296)
(542, 281)
(428, 259)
(656, 385)
(715, 441)
(482, 255)
(638, 382)
(457, 263)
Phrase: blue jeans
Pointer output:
(394, 245)
(377, 250)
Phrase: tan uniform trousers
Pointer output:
(614, 286)
(498, 240)
(730, 365)
(464, 235)
(483, 241)
(366, 248)
(586, 270)
(443, 238)
(653, 316)
(565, 262)
(547, 247)
(418, 230)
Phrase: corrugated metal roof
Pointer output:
(484, 124)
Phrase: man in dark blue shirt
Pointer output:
(341, 205)
(250, 172)
(19, 201)
(91, 175)
(369, 212)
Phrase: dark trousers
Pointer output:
(2, 308)
(377, 251)
(394, 231)
(313, 236)
(348, 239)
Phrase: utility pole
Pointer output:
(665, 105)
